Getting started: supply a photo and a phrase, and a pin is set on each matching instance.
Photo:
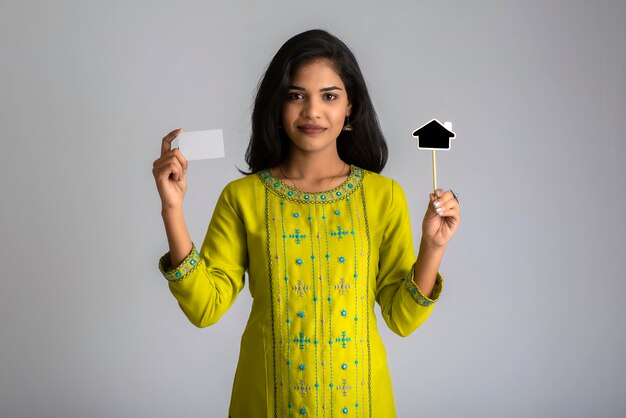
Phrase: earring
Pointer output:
(347, 127)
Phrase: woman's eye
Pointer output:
(330, 96)
(295, 96)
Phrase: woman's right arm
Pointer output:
(169, 173)
(204, 281)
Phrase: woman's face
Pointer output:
(316, 106)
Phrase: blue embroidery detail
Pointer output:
(337, 212)
(299, 261)
(344, 366)
(297, 236)
(282, 189)
(344, 410)
(296, 215)
(301, 366)
(418, 296)
(184, 269)
(344, 312)
(303, 411)
(327, 255)
(343, 339)
(342, 259)
(339, 234)
(301, 314)
(302, 340)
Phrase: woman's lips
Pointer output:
(311, 129)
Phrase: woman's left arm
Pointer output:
(440, 223)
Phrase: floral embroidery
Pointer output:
(185, 268)
(417, 294)
(351, 184)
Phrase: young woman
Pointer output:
(322, 236)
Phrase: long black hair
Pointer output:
(364, 146)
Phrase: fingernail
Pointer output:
(436, 203)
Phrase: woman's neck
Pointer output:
(313, 173)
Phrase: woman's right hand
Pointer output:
(169, 173)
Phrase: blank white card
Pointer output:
(201, 145)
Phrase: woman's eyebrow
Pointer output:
(292, 87)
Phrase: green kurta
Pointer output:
(316, 263)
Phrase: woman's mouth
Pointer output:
(311, 129)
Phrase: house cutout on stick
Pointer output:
(434, 135)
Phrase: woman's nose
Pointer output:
(311, 109)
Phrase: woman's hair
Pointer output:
(364, 146)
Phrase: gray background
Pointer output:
(531, 322)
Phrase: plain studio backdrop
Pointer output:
(531, 320)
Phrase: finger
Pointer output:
(444, 207)
(175, 153)
(166, 142)
(169, 167)
(439, 192)
(443, 200)
(453, 213)
(181, 159)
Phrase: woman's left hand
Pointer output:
(441, 219)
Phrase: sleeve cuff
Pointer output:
(417, 294)
(184, 269)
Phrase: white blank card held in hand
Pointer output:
(200, 145)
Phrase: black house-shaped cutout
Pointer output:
(433, 135)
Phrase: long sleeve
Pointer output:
(403, 306)
(208, 281)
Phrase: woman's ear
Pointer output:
(349, 109)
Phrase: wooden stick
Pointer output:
(434, 171)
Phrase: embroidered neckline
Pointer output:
(282, 189)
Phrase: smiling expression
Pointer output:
(314, 111)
